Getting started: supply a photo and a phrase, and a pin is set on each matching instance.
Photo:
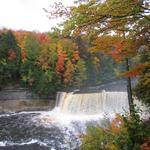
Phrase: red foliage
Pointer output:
(136, 71)
(11, 55)
(145, 146)
(116, 56)
(123, 49)
(43, 38)
(116, 123)
(117, 52)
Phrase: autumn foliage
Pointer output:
(135, 71)
(60, 63)
(46, 63)
(11, 55)
(68, 72)
(21, 38)
(123, 133)
(43, 38)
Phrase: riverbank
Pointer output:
(26, 105)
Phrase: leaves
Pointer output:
(68, 72)
(76, 56)
(48, 62)
(124, 133)
(11, 55)
(43, 38)
(60, 63)
(136, 71)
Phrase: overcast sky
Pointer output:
(27, 14)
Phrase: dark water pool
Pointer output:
(19, 132)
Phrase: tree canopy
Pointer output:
(119, 28)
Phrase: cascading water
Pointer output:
(59, 128)
(92, 103)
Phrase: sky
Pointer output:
(27, 14)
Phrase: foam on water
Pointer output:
(77, 109)
(32, 141)
(72, 114)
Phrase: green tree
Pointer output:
(123, 133)
(79, 75)
(51, 63)
(143, 86)
(10, 58)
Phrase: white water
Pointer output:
(72, 113)
(80, 108)
(32, 141)
(92, 103)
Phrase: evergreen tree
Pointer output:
(9, 57)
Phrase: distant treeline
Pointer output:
(47, 62)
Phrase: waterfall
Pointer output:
(92, 103)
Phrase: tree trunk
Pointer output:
(129, 88)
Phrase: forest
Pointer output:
(48, 62)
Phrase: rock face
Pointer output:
(26, 105)
(16, 94)
(14, 99)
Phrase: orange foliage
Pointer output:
(116, 53)
(76, 32)
(123, 49)
(145, 146)
(21, 38)
(11, 55)
(103, 44)
(136, 71)
(23, 55)
(116, 56)
(116, 123)
(68, 72)
(60, 62)
(117, 47)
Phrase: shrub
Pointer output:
(124, 133)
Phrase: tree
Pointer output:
(49, 63)
(69, 65)
(120, 49)
(9, 57)
(143, 86)
(108, 15)
(61, 60)
(21, 39)
(121, 17)
(79, 75)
